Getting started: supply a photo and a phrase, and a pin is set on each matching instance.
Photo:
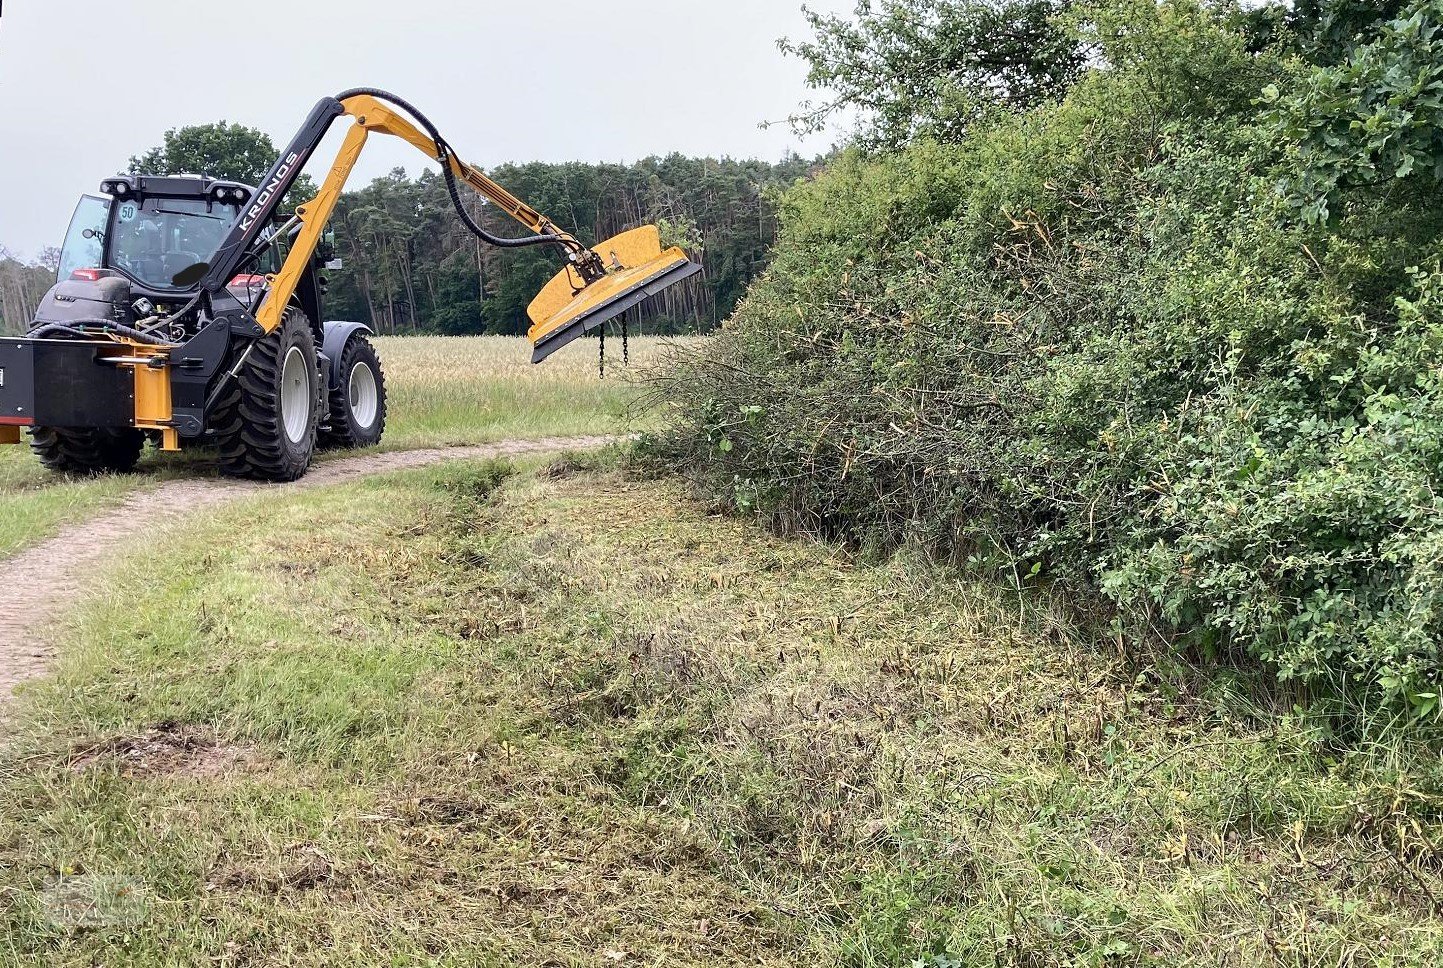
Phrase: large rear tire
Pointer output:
(267, 417)
(87, 450)
(358, 403)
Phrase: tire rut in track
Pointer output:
(42, 582)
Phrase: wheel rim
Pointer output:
(365, 400)
(296, 396)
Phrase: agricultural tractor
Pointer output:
(189, 311)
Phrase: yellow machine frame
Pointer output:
(632, 260)
(372, 115)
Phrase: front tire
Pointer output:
(358, 403)
(87, 450)
(266, 422)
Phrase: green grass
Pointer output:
(568, 717)
(444, 391)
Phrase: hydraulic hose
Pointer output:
(173, 316)
(444, 153)
(49, 328)
(70, 328)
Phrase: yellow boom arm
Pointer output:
(598, 285)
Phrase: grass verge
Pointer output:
(465, 716)
(35, 503)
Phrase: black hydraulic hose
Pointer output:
(175, 315)
(444, 153)
(110, 326)
(136, 334)
(40, 332)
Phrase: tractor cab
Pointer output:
(151, 229)
(151, 238)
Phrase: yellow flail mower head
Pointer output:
(629, 268)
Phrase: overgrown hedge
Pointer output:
(1176, 339)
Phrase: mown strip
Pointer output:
(480, 716)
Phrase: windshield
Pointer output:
(154, 239)
(78, 251)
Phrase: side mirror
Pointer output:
(326, 248)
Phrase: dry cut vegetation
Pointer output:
(471, 716)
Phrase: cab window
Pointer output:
(153, 240)
(85, 239)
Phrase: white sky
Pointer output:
(85, 84)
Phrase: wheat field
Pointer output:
(474, 389)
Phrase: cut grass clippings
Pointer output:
(479, 716)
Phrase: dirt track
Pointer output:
(41, 582)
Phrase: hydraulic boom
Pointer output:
(597, 284)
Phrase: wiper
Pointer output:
(166, 211)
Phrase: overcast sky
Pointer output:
(85, 84)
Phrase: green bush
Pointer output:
(1150, 341)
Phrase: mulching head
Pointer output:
(636, 269)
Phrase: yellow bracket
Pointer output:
(152, 406)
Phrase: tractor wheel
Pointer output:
(266, 420)
(358, 404)
(87, 450)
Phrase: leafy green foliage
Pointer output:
(1373, 119)
(1330, 29)
(1092, 345)
(1322, 31)
(933, 66)
(221, 150)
